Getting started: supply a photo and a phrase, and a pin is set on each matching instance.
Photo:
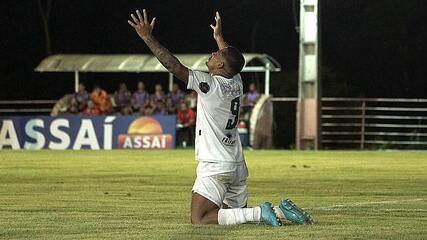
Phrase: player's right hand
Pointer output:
(141, 24)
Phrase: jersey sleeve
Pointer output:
(200, 82)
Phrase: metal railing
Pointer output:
(25, 107)
(374, 123)
(346, 122)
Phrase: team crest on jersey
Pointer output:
(231, 89)
(204, 87)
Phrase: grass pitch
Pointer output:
(146, 195)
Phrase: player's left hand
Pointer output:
(141, 24)
(217, 29)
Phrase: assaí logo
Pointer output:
(145, 133)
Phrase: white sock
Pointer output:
(279, 213)
(238, 215)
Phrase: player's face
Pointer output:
(214, 61)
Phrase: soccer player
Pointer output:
(219, 194)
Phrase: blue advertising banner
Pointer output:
(76, 132)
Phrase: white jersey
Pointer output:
(218, 103)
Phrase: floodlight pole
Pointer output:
(308, 135)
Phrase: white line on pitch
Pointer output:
(332, 207)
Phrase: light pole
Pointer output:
(308, 135)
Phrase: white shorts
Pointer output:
(222, 183)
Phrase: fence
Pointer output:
(26, 107)
(346, 122)
(365, 123)
(374, 123)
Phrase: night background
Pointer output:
(370, 48)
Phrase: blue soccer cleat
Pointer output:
(268, 217)
(295, 214)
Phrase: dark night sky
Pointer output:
(370, 48)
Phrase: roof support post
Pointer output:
(170, 82)
(76, 81)
(267, 79)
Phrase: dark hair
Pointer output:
(234, 59)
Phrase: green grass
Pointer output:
(146, 194)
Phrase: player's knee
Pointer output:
(196, 220)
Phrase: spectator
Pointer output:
(158, 94)
(147, 110)
(191, 100)
(176, 95)
(252, 95)
(91, 110)
(101, 99)
(160, 108)
(126, 110)
(73, 108)
(62, 105)
(82, 97)
(249, 100)
(186, 122)
(140, 97)
(170, 106)
(122, 97)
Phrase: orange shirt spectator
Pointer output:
(101, 99)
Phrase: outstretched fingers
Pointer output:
(139, 16)
(217, 18)
(132, 24)
(135, 20)
(145, 16)
(153, 21)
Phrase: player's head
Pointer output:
(229, 60)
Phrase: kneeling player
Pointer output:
(220, 190)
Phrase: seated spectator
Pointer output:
(122, 97)
(158, 94)
(62, 105)
(126, 110)
(160, 108)
(91, 110)
(82, 97)
(176, 95)
(170, 106)
(73, 107)
(191, 100)
(101, 99)
(249, 101)
(140, 97)
(147, 110)
(186, 122)
(251, 96)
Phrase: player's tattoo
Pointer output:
(166, 58)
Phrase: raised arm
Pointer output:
(167, 59)
(217, 32)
